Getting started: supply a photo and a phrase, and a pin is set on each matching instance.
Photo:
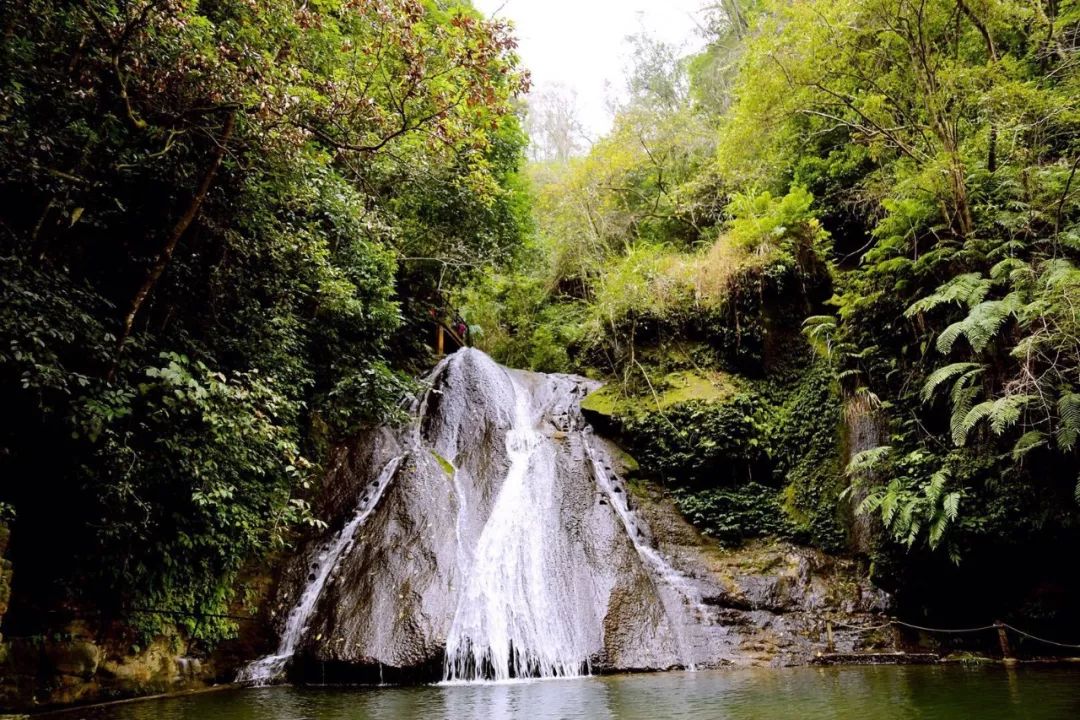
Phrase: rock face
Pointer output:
(770, 602)
(495, 550)
(46, 672)
(497, 538)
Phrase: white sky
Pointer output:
(580, 43)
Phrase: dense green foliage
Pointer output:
(225, 226)
(760, 458)
(915, 160)
(829, 267)
(955, 127)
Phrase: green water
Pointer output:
(880, 693)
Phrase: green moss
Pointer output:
(445, 464)
(673, 389)
(604, 401)
(639, 489)
(805, 446)
(626, 463)
(789, 501)
(686, 386)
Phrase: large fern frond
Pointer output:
(1007, 267)
(969, 289)
(937, 485)
(1028, 441)
(866, 460)
(943, 375)
(1068, 427)
(963, 399)
(981, 325)
(951, 505)
(1002, 413)
(970, 420)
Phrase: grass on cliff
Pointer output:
(672, 389)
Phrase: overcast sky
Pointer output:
(580, 43)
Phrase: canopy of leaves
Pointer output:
(222, 222)
(927, 151)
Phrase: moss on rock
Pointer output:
(747, 457)
(445, 464)
(672, 389)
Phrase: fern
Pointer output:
(871, 503)
(951, 505)
(968, 289)
(889, 504)
(943, 375)
(963, 399)
(1002, 414)
(1059, 274)
(1007, 267)
(819, 323)
(1006, 412)
(1068, 427)
(971, 419)
(865, 461)
(981, 325)
(937, 529)
(819, 330)
(936, 485)
(1028, 441)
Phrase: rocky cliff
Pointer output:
(507, 541)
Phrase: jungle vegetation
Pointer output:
(828, 267)
(220, 224)
(831, 265)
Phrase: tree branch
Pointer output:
(166, 252)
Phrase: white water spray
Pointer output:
(681, 592)
(513, 618)
(267, 669)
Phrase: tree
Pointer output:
(211, 217)
(552, 123)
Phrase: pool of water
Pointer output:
(880, 693)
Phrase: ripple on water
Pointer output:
(855, 693)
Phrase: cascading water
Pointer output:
(505, 548)
(512, 621)
(269, 668)
(678, 592)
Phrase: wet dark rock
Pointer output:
(390, 611)
(878, 658)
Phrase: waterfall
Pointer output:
(508, 550)
(678, 592)
(511, 620)
(269, 668)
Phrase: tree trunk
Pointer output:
(165, 254)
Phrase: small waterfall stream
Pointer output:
(678, 593)
(269, 668)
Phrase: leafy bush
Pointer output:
(218, 246)
(762, 223)
(732, 515)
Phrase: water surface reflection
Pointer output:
(887, 693)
